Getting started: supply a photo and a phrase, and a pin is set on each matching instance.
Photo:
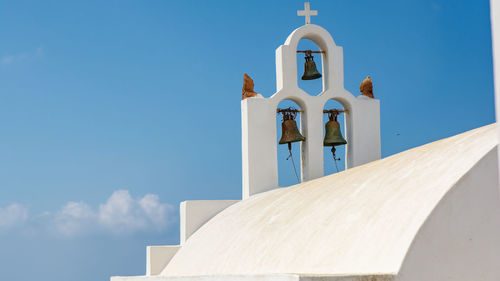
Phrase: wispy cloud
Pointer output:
(13, 215)
(11, 58)
(120, 214)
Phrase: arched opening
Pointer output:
(313, 86)
(330, 165)
(289, 168)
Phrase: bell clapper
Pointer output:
(335, 159)
(293, 162)
(289, 149)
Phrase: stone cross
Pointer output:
(307, 13)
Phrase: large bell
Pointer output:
(310, 70)
(333, 135)
(289, 131)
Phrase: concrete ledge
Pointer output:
(157, 257)
(274, 277)
(269, 277)
(377, 277)
(196, 213)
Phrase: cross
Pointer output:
(307, 13)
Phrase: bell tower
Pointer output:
(258, 114)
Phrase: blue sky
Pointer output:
(112, 112)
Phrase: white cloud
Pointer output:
(157, 213)
(13, 215)
(120, 214)
(74, 218)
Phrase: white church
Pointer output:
(431, 213)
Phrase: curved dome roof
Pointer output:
(362, 220)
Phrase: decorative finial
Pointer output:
(307, 12)
(247, 91)
(366, 87)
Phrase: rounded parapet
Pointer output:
(360, 221)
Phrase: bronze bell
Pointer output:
(289, 131)
(310, 70)
(333, 135)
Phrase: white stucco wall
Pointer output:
(195, 213)
(357, 222)
(157, 257)
(259, 133)
(460, 240)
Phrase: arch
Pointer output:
(313, 32)
(343, 102)
(286, 59)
